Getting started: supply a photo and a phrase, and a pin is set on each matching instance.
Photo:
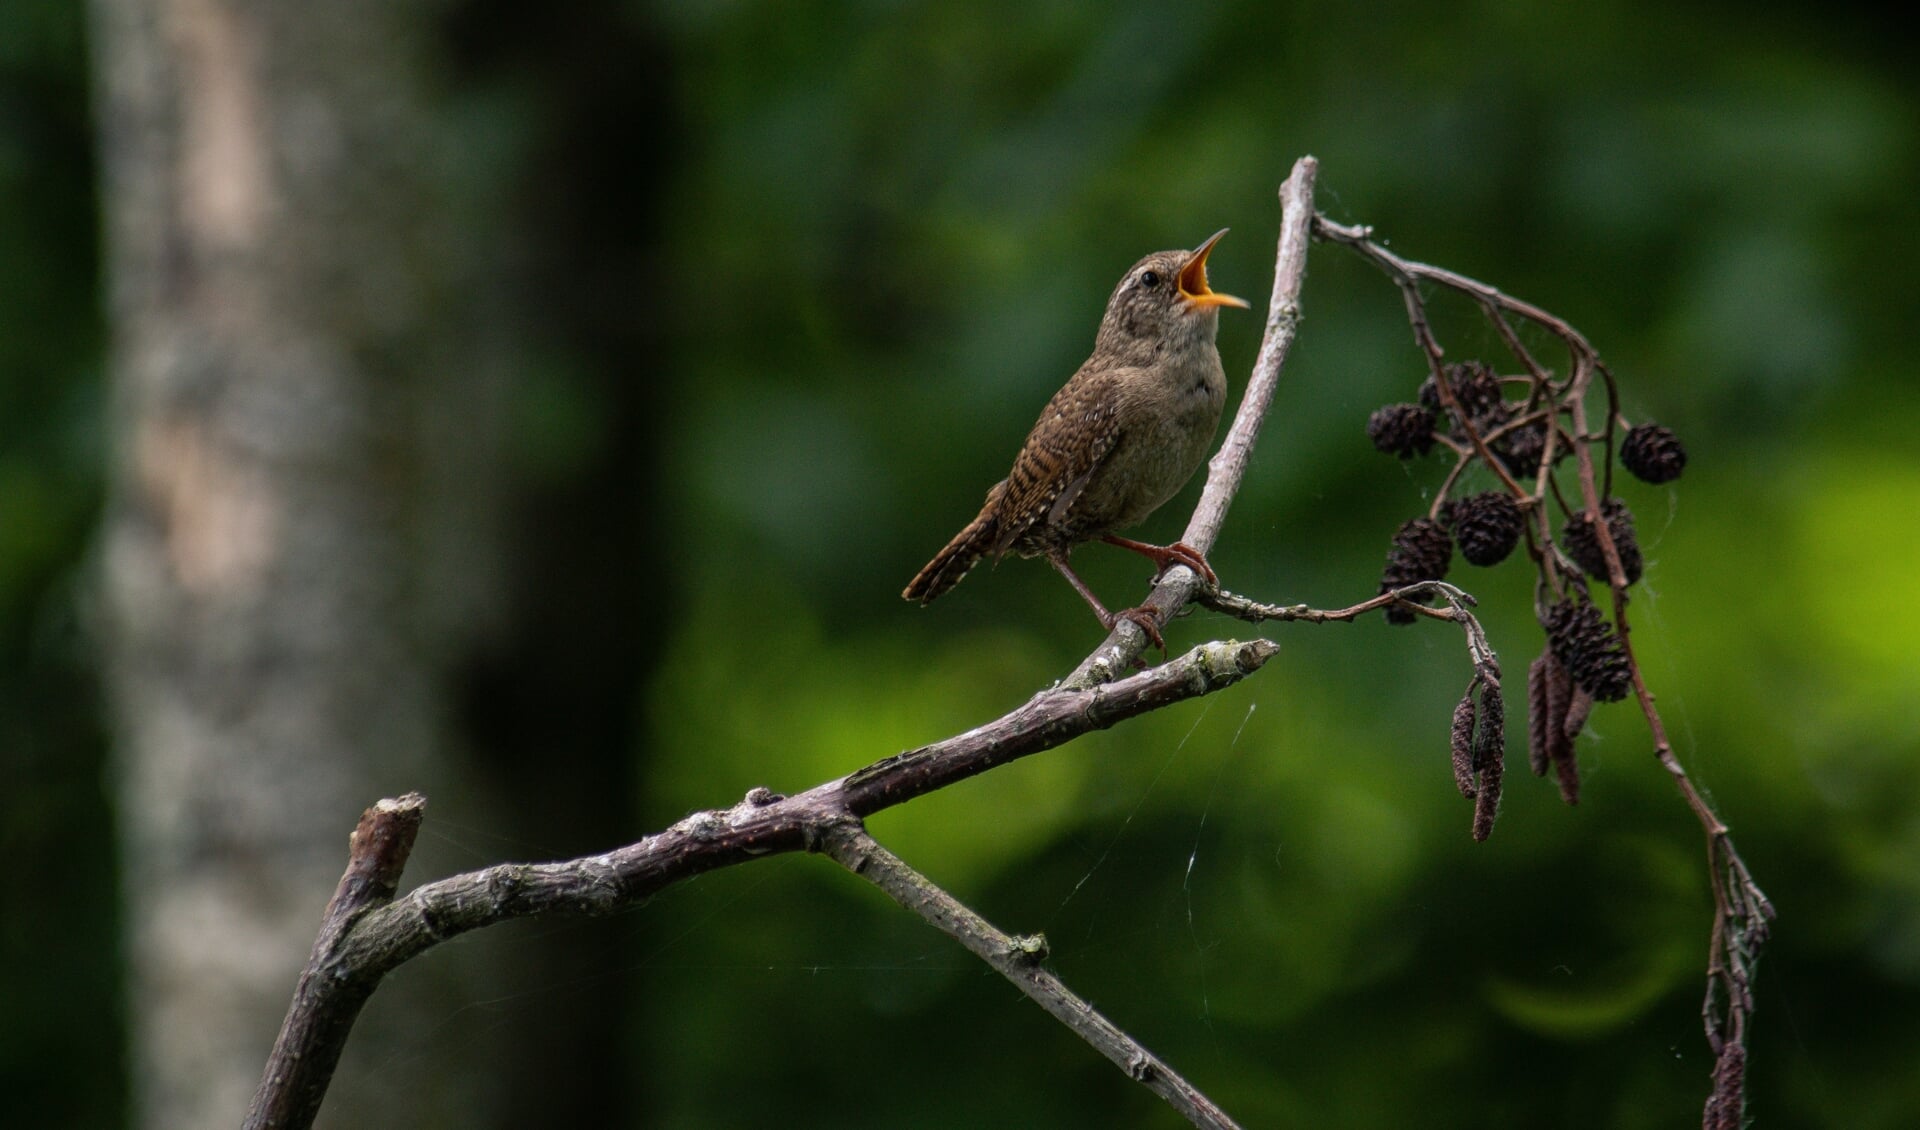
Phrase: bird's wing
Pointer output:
(1072, 438)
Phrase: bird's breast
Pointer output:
(1167, 420)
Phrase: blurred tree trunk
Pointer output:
(302, 516)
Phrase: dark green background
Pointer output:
(867, 242)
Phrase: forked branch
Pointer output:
(373, 934)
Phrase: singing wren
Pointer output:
(1119, 438)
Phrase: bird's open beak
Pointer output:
(1193, 278)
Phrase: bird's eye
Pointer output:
(1149, 279)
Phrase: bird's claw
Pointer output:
(1165, 557)
(1180, 553)
(1149, 623)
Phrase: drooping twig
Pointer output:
(1741, 911)
(1020, 960)
(1478, 738)
(1458, 610)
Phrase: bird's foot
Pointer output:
(1142, 616)
(1182, 553)
(1166, 557)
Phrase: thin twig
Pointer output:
(1477, 764)
(1021, 961)
(1459, 603)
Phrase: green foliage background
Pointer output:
(884, 237)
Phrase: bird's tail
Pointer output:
(958, 558)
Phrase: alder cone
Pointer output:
(1582, 543)
(1521, 450)
(1653, 453)
(1422, 550)
(1487, 526)
(1405, 430)
(1586, 646)
(1474, 385)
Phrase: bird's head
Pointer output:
(1164, 298)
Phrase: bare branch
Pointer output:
(1021, 961)
(365, 935)
(766, 824)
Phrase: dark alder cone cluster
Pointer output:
(1585, 661)
(1586, 646)
(1653, 453)
(1486, 526)
(1421, 551)
(1408, 430)
(1582, 542)
(1405, 430)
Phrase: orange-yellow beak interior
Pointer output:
(1193, 278)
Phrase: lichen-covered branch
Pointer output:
(366, 933)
